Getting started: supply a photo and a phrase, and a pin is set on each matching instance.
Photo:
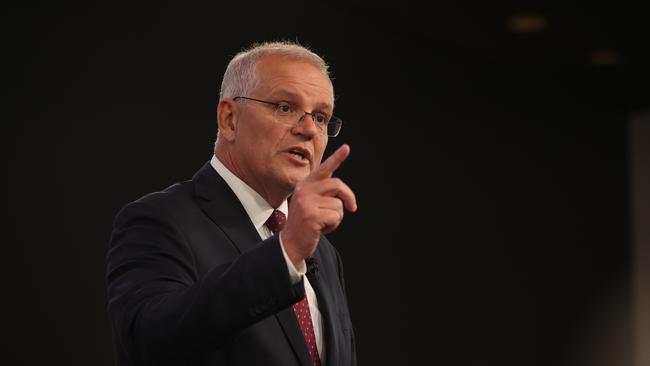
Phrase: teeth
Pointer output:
(297, 153)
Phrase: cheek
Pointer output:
(258, 137)
(319, 149)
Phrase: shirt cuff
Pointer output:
(295, 274)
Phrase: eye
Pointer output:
(320, 118)
(284, 108)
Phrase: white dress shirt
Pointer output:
(259, 211)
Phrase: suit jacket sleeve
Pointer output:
(164, 311)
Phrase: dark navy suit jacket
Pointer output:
(190, 282)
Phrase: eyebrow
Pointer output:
(293, 96)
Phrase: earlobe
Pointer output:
(227, 119)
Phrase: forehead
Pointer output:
(280, 76)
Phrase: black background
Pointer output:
(489, 166)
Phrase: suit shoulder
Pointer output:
(175, 192)
(170, 198)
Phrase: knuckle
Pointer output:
(301, 189)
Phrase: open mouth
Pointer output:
(301, 153)
(298, 153)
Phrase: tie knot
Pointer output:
(276, 221)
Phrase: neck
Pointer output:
(272, 196)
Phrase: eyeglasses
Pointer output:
(289, 115)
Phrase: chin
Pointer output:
(294, 179)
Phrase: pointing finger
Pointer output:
(327, 168)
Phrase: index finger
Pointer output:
(327, 168)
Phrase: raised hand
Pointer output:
(317, 207)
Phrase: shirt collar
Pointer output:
(256, 207)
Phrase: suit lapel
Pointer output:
(325, 304)
(289, 323)
(220, 203)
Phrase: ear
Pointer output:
(227, 114)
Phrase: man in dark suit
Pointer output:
(222, 269)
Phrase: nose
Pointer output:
(306, 125)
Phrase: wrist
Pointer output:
(294, 256)
(296, 270)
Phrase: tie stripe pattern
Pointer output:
(276, 223)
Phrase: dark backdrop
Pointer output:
(490, 167)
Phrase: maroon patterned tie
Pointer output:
(276, 223)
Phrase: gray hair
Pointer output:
(240, 78)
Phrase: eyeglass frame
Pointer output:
(337, 121)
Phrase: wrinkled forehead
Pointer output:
(285, 75)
